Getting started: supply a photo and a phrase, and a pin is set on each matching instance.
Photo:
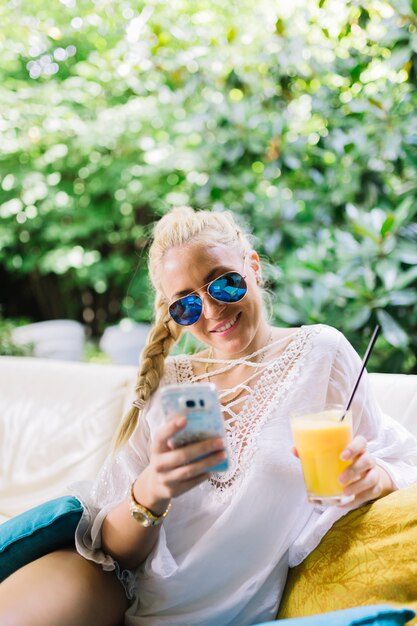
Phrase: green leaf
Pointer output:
(392, 331)
(288, 314)
(406, 210)
(407, 254)
(364, 231)
(388, 225)
(403, 298)
(358, 319)
(387, 270)
(406, 278)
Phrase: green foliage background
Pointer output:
(298, 116)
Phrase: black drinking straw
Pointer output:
(364, 362)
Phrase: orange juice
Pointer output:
(320, 438)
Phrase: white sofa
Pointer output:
(57, 424)
(58, 420)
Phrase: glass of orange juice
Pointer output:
(320, 438)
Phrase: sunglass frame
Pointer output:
(206, 288)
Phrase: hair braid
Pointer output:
(161, 338)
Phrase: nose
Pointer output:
(211, 308)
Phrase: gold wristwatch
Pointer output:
(142, 514)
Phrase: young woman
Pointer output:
(198, 548)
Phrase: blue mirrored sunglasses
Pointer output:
(228, 288)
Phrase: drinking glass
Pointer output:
(320, 438)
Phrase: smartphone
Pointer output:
(199, 403)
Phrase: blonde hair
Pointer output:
(175, 229)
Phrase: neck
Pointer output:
(263, 339)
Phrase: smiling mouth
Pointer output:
(226, 326)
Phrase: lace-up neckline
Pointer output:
(274, 376)
(256, 361)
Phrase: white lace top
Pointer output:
(224, 549)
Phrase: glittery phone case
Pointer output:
(200, 404)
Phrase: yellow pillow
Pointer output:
(369, 556)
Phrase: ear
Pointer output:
(255, 265)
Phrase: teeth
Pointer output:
(226, 326)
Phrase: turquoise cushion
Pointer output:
(36, 532)
(376, 614)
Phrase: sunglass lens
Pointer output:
(186, 311)
(228, 288)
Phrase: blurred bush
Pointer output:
(8, 347)
(300, 117)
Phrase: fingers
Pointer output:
(362, 478)
(357, 469)
(186, 485)
(174, 481)
(168, 430)
(355, 448)
(365, 490)
(187, 454)
(173, 471)
(364, 483)
(198, 468)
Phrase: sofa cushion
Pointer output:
(379, 615)
(36, 532)
(368, 556)
(57, 423)
(397, 396)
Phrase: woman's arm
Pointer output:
(381, 450)
(170, 473)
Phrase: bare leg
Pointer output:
(62, 589)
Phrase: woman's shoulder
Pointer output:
(325, 336)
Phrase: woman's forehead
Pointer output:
(200, 253)
(188, 267)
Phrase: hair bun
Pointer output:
(177, 215)
(182, 210)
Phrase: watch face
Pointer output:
(142, 518)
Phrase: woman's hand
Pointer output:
(363, 478)
(173, 471)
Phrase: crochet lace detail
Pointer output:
(276, 377)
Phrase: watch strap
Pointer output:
(142, 514)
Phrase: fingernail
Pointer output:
(346, 455)
(180, 421)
